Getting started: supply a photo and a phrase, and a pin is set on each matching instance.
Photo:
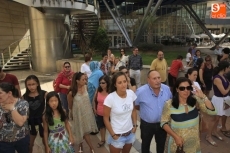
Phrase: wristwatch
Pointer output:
(135, 125)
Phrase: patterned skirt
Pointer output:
(59, 141)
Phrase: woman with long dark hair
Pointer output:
(180, 118)
(123, 57)
(81, 111)
(192, 74)
(36, 99)
(120, 116)
(57, 133)
(101, 93)
(205, 75)
(221, 88)
(14, 112)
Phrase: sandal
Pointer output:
(100, 144)
(225, 133)
(209, 140)
(217, 136)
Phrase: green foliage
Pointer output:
(150, 47)
(100, 41)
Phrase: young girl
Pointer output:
(36, 99)
(56, 126)
(101, 93)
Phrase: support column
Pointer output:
(143, 22)
(47, 34)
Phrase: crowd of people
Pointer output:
(106, 95)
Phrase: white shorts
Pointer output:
(218, 103)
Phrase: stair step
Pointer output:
(15, 68)
(14, 60)
(17, 65)
(20, 57)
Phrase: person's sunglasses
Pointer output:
(7, 117)
(67, 66)
(189, 88)
(102, 82)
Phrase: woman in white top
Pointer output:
(117, 63)
(111, 57)
(120, 116)
(192, 75)
(123, 57)
(189, 56)
(85, 66)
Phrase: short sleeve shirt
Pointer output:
(11, 132)
(175, 67)
(121, 110)
(12, 79)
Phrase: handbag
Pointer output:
(180, 149)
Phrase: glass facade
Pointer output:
(171, 21)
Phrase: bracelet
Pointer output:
(13, 109)
(113, 135)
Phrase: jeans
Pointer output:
(64, 102)
(122, 140)
(21, 146)
(148, 130)
(136, 74)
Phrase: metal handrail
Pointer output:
(3, 60)
(17, 41)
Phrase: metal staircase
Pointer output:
(83, 27)
(17, 55)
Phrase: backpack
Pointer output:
(55, 86)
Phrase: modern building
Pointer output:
(51, 27)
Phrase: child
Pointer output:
(36, 99)
(56, 125)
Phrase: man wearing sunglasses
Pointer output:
(151, 98)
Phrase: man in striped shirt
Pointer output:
(135, 65)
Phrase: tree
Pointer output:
(100, 41)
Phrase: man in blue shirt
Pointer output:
(150, 101)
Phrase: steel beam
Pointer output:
(143, 22)
(119, 26)
(201, 23)
(119, 17)
(196, 18)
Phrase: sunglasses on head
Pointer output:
(102, 82)
(7, 117)
(67, 66)
(189, 88)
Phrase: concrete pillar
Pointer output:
(49, 40)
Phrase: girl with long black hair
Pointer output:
(36, 99)
(57, 134)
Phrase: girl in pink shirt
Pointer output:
(99, 97)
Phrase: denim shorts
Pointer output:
(122, 140)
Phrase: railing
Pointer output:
(14, 48)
